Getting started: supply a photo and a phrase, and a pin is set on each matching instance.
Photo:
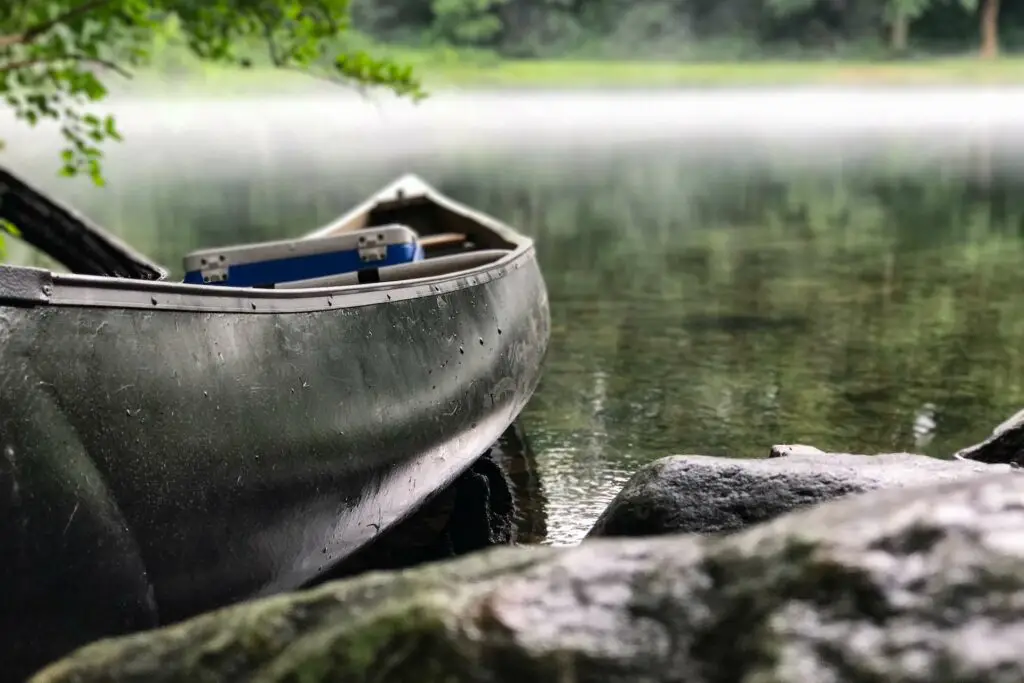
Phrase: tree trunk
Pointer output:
(898, 32)
(990, 29)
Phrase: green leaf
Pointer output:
(9, 228)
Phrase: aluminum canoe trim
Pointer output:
(35, 286)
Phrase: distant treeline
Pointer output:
(698, 29)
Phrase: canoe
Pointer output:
(169, 448)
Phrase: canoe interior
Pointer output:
(445, 228)
(441, 231)
(444, 222)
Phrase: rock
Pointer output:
(1005, 446)
(922, 585)
(782, 450)
(515, 454)
(702, 494)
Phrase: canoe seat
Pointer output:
(440, 265)
(444, 239)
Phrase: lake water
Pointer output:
(727, 270)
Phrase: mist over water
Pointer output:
(216, 132)
(728, 268)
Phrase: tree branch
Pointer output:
(98, 61)
(34, 32)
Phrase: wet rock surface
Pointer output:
(1005, 446)
(912, 585)
(704, 494)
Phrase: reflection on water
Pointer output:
(578, 490)
(726, 271)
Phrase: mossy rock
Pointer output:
(918, 584)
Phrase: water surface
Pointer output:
(727, 270)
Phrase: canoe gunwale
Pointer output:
(36, 286)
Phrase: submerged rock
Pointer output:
(1005, 446)
(704, 494)
(782, 450)
(917, 585)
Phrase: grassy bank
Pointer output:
(444, 70)
(966, 70)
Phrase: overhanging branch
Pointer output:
(83, 59)
(39, 29)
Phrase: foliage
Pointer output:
(678, 29)
(907, 8)
(55, 55)
(466, 22)
(6, 228)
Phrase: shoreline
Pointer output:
(535, 75)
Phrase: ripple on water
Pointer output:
(578, 487)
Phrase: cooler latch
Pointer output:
(372, 247)
(214, 269)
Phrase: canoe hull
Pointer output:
(159, 463)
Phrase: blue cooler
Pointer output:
(268, 263)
